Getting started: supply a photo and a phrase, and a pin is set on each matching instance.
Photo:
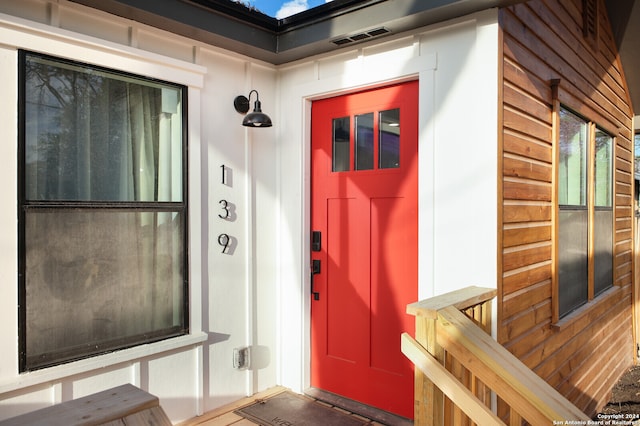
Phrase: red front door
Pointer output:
(365, 216)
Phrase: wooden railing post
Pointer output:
(459, 366)
(429, 399)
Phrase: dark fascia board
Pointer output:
(220, 23)
(619, 12)
(625, 21)
(232, 26)
(395, 16)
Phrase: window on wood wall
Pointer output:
(102, 211)
(585, 217)
(636, 167)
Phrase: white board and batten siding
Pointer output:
(259, 295)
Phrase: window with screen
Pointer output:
(585, 217)
(102, 211)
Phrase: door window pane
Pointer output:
(341, 143)
(364, 141)
(389, 139)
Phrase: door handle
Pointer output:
(315, 270)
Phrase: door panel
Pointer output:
(345, 319)
(388, 291)
(364, 203)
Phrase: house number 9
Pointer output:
(226, 208)
(224, 240)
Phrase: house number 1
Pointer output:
(224, 174)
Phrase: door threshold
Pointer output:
(373, 413)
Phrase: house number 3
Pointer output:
(226, 208)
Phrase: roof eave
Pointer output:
(234, 27)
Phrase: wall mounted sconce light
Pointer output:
(255, 119)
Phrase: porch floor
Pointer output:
(625, 399)
(225, 415)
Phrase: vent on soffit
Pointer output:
(366, 35)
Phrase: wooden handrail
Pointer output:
(460, 299)
(460, 395)
(475, 366)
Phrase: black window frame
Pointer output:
(25, 205)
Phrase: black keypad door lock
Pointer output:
(316, 241)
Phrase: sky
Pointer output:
(283, 8)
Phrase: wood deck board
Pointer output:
(210, 417)
(225, 415)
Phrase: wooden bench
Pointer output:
(123, 405)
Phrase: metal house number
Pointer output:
(226, 208)
(224, 174)
(224, 240)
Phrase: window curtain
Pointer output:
(100, 275)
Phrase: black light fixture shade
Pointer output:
(255, 119)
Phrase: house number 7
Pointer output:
(226, 208)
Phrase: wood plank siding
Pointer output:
(583, 354)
